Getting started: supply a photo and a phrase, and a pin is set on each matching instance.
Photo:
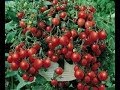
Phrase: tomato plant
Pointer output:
(58, 45)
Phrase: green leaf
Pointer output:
(10, 36)
(40, 80)
(10, 26)
(111, 43)
(47, 3)
(10, 74)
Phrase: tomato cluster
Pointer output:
(82, 48)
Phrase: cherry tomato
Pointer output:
(55, 2)
(15, 57)
(42, 24)
(22, 24)
(9, 59)
(54, 82)
(42, 9)
(31, 78)
(46, 63)
(76, 67)
(14, 66)
(38, 63)
(93, 36)
(95, 47)
(59, 70)
(79, 74)
(74, 33)
(31, 51)
(88, 24)
(76, 57)
(63, 15)
(81, 22)
(20, 15)
(102, 75)
(49, 28)
(95, 81)
(84, 62)
(64, 40)
(64, 50)
(23, 53)
(91, 74)
(82, 35)
(70, 46)
(55, 21)
(102, 35)
(50, 53)
(54, 58)
(24, 65)
(87, 79)
(80, 86)
(25, 77)
(102, 87)
(68, 54)
(32, 70)
(82, 14)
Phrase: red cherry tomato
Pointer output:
(79, 74)
(55, 21)
(38, 63)
(81, 22)
(25, 77)
(59, 70)
(76, 57)
(24, 65)
(54, 82)
(102, 75)
(46, 63)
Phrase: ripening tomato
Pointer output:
(79, 74)
(38, 63)
(42, 9)
(82, 35)
(14, 66)
(54, 58)
(82, 14)
(9, 59)
(54, 82)
(55, 21)
(102, 75)
(76, 57)
(24, 65)
(102, 35)
(20, 15)
(102, 87)
(46, 63)
(81, 22)
(64, 40)
(25, 77)
(87, 79)
(63, 15)
(22, 24)
(59, 70)
(80, 86)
